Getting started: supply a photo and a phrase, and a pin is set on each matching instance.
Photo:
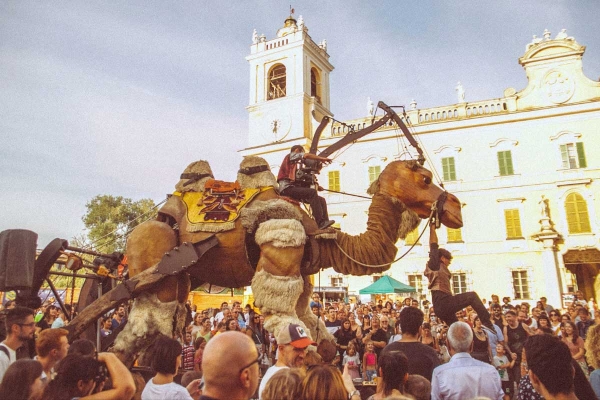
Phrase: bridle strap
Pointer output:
(253, 170)
(193, 177)
(438, 207)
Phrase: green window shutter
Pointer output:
(513, 223)
(334, 180)
(564, 155)
(581, 155)
(449, 169)
(578, 219)
(505, 162)
(374, 173)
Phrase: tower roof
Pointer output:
(289, 26)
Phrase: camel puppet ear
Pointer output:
(374, 188)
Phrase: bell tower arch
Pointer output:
(289, 85)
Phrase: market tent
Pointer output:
(387, 284)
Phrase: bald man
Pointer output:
(231, 368)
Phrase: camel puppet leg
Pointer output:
(278, 284)
(160, 310)
(315, 325)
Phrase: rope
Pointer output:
(347, 194)
(433, 211)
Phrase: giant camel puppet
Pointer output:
(273, 245)
(237, 234)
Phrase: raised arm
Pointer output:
(434, 255)
(123, 384)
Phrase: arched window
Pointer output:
(276, 82)
(314, 84)
(576, 209)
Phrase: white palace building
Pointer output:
(525, 166)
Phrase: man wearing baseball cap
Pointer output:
(292, 342)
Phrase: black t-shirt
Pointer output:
(422, 359)
(332, 327)
(378, 336)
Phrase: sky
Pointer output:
(107, 97)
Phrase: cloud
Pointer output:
(117, 98)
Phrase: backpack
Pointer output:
(4, 350)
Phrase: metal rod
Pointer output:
(57, 296)
(86, 251)
(74, 275)
(98, 334)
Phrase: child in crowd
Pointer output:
(199, 346)
(502, 365)
(369, 362)
(187, 352)
(353, 360)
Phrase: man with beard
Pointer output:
(516, 334)
(20, 328)
(119, 317)
(497, 317)
(376, 335)
(292, 342)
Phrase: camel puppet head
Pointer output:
(412, 185)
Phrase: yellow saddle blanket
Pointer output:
(218, 207)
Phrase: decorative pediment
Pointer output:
(555, 73)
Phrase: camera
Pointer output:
(306, 174)
(101, 371)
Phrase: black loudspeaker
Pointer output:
(17, 259)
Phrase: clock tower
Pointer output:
(289, 88)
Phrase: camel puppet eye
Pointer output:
(427, 180)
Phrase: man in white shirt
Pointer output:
(221, 315)
(463, 377)
(292, 342)
(20, 328)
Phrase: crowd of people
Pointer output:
(397, 349)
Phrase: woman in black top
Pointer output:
(481, 344)
(344, 335)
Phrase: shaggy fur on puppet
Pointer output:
(305, 314)
(260, 179)
(281, 233)
(148, 319)
(200, 167)
(276, 297)
(261, 211)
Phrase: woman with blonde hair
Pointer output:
(285, 384)
(592, 347)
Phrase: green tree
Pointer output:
(109, 219)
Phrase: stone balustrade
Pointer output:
(429, 115)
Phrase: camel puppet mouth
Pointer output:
(451, 215)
